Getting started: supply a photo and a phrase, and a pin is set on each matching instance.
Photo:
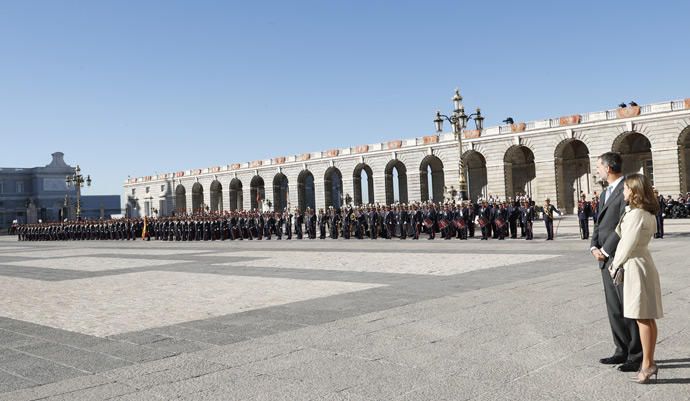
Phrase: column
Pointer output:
(379, 187)
(319, 186)
(348, 188)
(414, 193)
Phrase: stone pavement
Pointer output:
(326, 320)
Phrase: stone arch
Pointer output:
(236, 194)
(431, 177)
(333, 187)
(361, 172)
(306, 192)
(636, 151)
(257, 192)
(180, 199)
(280, 192)
(684, 159)
(216, 195)
(396, 176)
(474, 164)
(197, 198)
(520, 170)
(572, 169)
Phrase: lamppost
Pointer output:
(458, 120)
(77, 181)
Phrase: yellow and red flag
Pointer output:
(143, 232)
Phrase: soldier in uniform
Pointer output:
(513, 211)
(288, 223)
(311, 220)
(470, 213)
(403, 221)
(501, 217)
(269, 225)
(361, 223)
(198, 229)
(548, 211)
(322, 223)
(584, 211)
(595, 208)
(484, 219)
(431, 218)
(527, 219)
(660, 214)
(334, 222)
(389, 221)
(445, 219)
(348, 221)
(280, 224)
(417, 219)
(373, 223)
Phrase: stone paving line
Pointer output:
(529, 331)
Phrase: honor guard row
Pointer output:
(460, 220)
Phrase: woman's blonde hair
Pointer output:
(641, 193)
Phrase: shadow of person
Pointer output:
(673, 381)
(663, 361)
(676, 363)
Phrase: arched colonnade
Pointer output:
(573, 169)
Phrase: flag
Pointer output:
(143, 232)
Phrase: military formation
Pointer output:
(488, 219)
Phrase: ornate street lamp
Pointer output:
(458, 121)
(77, 181)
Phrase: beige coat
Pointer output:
(641, 287)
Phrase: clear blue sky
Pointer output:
(138, 87)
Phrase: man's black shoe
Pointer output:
(629, 367)
(612, 360)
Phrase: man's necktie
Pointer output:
(608, 194)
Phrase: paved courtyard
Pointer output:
(326, 320)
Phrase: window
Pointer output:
(20, 187)
(162, 188)
(148, 189)
(2, 187)
(134, 191)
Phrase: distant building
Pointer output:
(28, 195)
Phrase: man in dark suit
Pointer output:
(626, 336)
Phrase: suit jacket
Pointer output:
(604, 234)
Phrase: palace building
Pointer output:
(554, 158)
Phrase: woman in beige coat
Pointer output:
(641, 287)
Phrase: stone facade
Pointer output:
(554, 158)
